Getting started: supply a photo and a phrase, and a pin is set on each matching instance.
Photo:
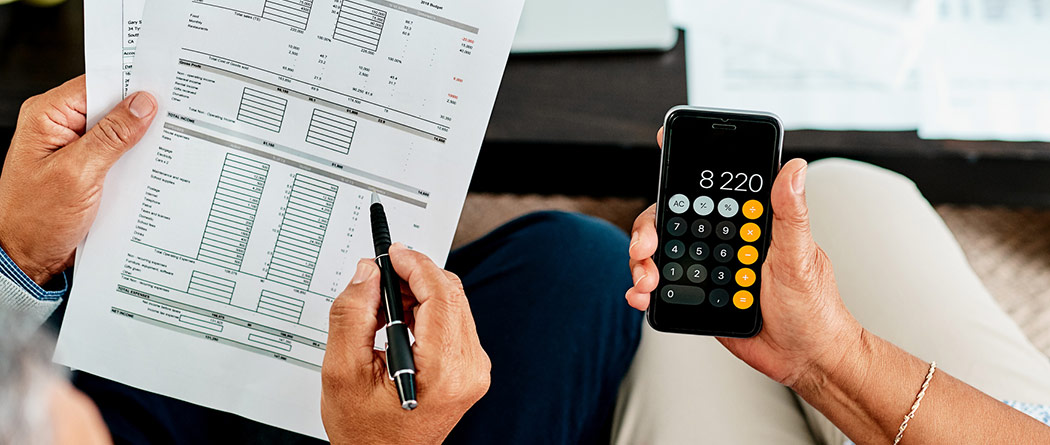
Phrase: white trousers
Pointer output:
(902, 275)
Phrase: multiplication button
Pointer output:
(682, 295)
(677, 226)
(750, 232)
(679, 204)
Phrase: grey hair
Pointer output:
(26, 381)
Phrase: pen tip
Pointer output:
(375, 197)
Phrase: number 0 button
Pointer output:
(673, 271)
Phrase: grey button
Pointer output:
(673, 271)
(719, 297)
(703, 206)
(728, 207)
(682, 295)
(701, 228)
(679, 204)
(677, 226)
(674, 249)
(696, 273)
(725, 230)
(724, 253)
(721, 275)
(699, 251)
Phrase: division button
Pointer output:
(679, 204)
(723, 253)
(728, 207)
(699, 251)
(750, 232)
(721, 275)
(696, 273)
(725, 230)
(752, 209)
(701, 228)
(682, 295)
(747, 255)
(703, 206)
(674, 249)
(673, 271)
(719, 298)
(677, 226)
(745, 277)
(743, 299)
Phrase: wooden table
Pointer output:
(585, 123)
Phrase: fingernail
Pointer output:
(798, 182)
(363, 273)
(142, 106)
(639, 272)
(634, 240)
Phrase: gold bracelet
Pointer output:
(915, 407)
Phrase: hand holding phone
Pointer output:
(803, 317)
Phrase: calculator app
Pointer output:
(714, 223)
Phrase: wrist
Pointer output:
(40, 274)
(838, 368)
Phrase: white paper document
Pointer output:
(988, 76)
(225, 234)
(819, 64)
(112, 32)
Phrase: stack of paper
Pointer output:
(225, 234)
(966, 69)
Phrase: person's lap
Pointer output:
(546, 293)
(901, 274)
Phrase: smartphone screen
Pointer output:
(713, 219)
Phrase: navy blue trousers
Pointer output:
(546, 291)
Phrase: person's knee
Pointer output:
(847, 176)
(575, 237)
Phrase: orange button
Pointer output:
(752, 209)
(745, 277)
(750, 232)
(747, 255)
(743, 299)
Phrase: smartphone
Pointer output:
(713, 215)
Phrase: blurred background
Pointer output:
(954, 94)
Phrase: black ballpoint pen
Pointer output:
(400, 365)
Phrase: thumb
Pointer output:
(116, 133)
(791, 239)
(353, 318)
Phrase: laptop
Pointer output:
(559, 26)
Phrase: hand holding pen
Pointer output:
(359, 403)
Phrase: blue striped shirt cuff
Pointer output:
(11, 270)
